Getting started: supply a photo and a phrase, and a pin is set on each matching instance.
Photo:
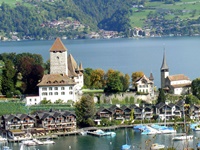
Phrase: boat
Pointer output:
(48, 142)
(164, 129)
(29, 143)
(157, 146)
(183, 137)
(6, 148)
(150, 130)
(3, 139)
(126, 146)
(103, 133)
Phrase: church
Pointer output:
(175, 84)
(65, 80)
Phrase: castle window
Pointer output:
(44, 89)
(62, 93)
(55, 93)
(70, 87)
(44, 93)
(50, 88)
(55, 88)
(70, 93)
(30, 100)
(50, 93)
(62, 88)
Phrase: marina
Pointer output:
(138, 140)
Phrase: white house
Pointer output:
(145, 85)
(65, 79)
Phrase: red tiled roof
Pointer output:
(178, 77)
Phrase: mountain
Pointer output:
(46, 19)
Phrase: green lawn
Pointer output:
(10, 2)
(93, 91)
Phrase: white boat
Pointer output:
(157, 146)
(48, 142)
(29, 143)
(3, 139)
(183, 137)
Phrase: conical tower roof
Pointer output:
(164, 63)
(58, 46)
(151, 77)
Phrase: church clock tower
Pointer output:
(58, 58)
(164, 71)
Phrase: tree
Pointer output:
(196, 87)
(136, 75)
(125, 80)
(85, 111)
(113, 82)
(161, 96)
(87, 77)
(191, 99)
(97, 79)
(8, 79)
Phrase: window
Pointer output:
(56, 88)
(50, 93)
(44, 93)
(44, 89)
(70, 87)
(50, 88)
(62, 93)
(62, 88)
(35, 99)
(70, 93)
(55, 93)
(30, 100)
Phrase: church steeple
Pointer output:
(164, 71)
(164, 63)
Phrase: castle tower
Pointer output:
(164, 71)
(58, 58)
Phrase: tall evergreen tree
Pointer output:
(8, 79)
(161, 96)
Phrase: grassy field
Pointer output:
(186, 9)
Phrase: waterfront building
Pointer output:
(175, 84)
(65, 79)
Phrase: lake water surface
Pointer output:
(125, 55)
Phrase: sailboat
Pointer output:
(183, 136)
(126, 146)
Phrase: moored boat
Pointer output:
(157, 146)
(183, 137)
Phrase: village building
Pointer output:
(145, 85)
(65, 80)
(175, 84)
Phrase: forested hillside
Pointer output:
(46, 19)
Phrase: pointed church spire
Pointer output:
(164, 63)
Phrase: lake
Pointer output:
(90, 142)
(125, 55)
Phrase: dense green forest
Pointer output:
(37, 19)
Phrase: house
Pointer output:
(127, 112)
(175, 84)
(65, 79)
(20, 121)
(145, 85)
(117, 112)
(56, 121)
(104, 113)
(195, 110)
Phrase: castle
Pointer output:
(65, 80)
(175, 84)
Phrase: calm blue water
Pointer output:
(89, 142)
(125, 55)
